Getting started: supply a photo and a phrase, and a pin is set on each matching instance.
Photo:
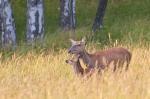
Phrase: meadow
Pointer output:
(40, 72)
(46, 76)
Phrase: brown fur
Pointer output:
(78, 70)
(101, 59)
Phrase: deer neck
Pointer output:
(79, 67)
(85, 56)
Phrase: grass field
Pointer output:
(41, 72)
(46, 76)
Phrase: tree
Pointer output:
(67, 15)
(1, 24)
(98, 22)
(7, 25)
(35, 21)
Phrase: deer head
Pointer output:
(73, 62)
(77, 46)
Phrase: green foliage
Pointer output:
(127, 21)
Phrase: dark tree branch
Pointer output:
(98, 22)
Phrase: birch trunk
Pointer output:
(35, 21)
(7, 25)
(67, 14)
(98, 22)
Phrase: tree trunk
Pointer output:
(98, 23)
(67, 15)
(35, 21)
(1, 22)
(7, 25)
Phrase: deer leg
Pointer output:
(127, 67)
(89, 71)
(114, 66)
(120, 65)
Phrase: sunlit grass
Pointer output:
(46, 76)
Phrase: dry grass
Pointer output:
(46, 76)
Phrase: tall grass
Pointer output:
(46, 76)
(41, 72)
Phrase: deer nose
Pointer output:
(66, 61)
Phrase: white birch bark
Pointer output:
(8, 30)
(72, 14)
(35, 21)
(67, 14)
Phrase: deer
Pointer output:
(78, 69)
(117, 55)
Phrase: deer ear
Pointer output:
(72, 41)
(83, 40)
